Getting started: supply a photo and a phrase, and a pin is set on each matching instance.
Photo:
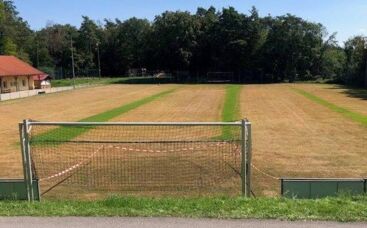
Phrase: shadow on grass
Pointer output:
(354, 92)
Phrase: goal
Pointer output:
(220, 77)
(136, 157)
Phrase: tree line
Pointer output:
(254, 48)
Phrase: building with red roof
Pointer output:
(17, 75)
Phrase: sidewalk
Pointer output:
(112, 222)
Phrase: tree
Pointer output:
(15, 34)
(86, 43)
(173, 40)
(356, 57)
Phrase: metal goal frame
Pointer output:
(25, 129)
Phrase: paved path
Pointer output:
(83, 222)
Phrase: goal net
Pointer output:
(220, 77)
(144, 158)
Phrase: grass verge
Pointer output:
(107, 80)
(338, 209)
(357, 117)
(85, 81)
(231, 109)
(67, 133)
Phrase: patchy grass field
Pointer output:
(353, 99)
(294, 136)
(66, 106)
(168, 167)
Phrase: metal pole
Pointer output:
(139, 123)
(243, 158)
(27, 154)
(248, 157)
(24, 162)
(37, 54)
(99, 62)
(72, 60)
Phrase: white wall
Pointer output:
(14, 84)
(29, 93)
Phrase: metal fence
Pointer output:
(136, 157)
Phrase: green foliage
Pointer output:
(356, 55)
(338, 209)
(15, 35)
(86, 81)
(254, 48)
(357, 117)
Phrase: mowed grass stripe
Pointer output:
(357, 117)
(231, 109)
(68, 133)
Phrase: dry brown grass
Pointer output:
(337, 95)
(65, 106)
(170, 168)
(292, 136)
(295, 137)
(189, 103)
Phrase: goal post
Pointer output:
(24, 130)
(145, 157)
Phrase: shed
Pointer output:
(17, 75)
(42, 81)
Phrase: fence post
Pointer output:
(243, 158)
(28, 162)
(248, 157)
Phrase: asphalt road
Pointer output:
(112, 222)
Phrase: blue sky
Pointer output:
(346, 17)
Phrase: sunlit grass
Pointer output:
(356, 117)
(62, 134)
(231, 110)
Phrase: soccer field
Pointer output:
(293, 136)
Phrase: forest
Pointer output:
(255, 48)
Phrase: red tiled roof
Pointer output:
(12, 66)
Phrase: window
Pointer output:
(5, 84)
(23, 83)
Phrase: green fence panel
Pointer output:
(15, 189)
(318, 188)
